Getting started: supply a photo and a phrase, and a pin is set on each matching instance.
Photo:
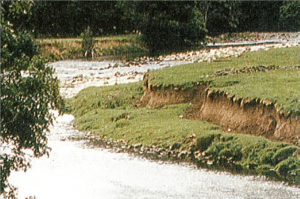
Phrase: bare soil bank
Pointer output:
(235, 115)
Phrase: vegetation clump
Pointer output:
(87, 43)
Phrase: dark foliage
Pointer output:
(171, 25)
(28, 91)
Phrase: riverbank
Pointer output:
(264, 161)
(93, 73)
(165, 133)
(128, 47)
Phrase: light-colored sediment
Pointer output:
(77, 75)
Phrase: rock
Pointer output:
(138, 145)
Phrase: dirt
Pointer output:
(235, 115)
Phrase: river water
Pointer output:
(75, 170)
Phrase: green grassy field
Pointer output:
(185, 74)
(279, 86)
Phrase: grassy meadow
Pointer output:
(279, 86)
(183, 75)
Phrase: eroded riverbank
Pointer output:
(75, 171)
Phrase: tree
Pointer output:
(290, 16)
(223, 16)
(259, 15)
(70, 18)
(28, 92)
(171, 25)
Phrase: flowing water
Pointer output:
(75, 170)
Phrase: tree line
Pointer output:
(70, 18)
(163, 24)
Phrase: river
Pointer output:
(75, 170)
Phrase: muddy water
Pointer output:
(74, 170)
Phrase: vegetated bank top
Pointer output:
(280, 86)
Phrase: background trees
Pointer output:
(70, 18)
(28, 92)
(169, 25)
(290, 16)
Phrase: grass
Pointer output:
(117, 46)
(161, 127)
(120, 38)
(185, 74)
(279, 86)
(111, 112)
(108, 97)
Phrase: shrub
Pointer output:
(87, 43)
(204, 142)
(214, 150)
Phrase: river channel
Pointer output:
(74, 170)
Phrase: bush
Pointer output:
(266, 158)
(204, 142)
(170, 35)
(87, 43)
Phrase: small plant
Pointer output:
(87, 43)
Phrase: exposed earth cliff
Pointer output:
(236, 115)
